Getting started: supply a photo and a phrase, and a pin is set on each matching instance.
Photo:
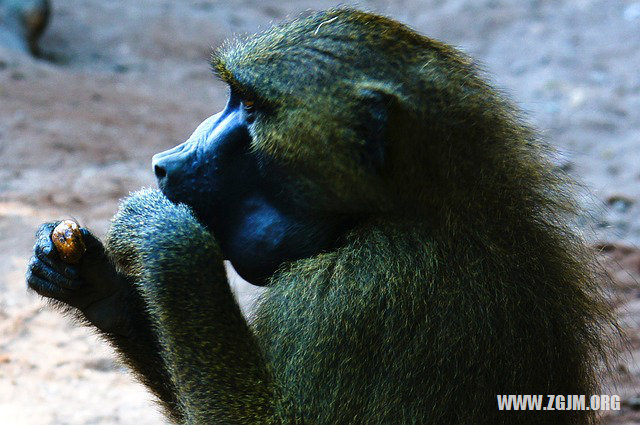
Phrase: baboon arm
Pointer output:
(96, 293)
(210, 353)
(139, 349)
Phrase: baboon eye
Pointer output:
(249, 105)
(250, 109)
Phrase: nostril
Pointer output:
(159, 171)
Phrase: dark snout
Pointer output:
(169, 164)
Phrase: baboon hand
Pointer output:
(150, 232)
(92, 286)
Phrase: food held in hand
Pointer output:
(68, 240)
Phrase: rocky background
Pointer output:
(116, 82)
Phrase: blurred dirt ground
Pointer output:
(129, 79)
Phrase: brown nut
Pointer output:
(68, 240)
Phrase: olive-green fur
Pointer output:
(402, 326)
(462, 280)
(450, 139)
(179, 270)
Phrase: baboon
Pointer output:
(412, 233)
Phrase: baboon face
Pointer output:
(240, 197)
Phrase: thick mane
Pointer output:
(469, 268)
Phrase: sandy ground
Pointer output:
(131, 78)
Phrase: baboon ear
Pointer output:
(376, 102)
